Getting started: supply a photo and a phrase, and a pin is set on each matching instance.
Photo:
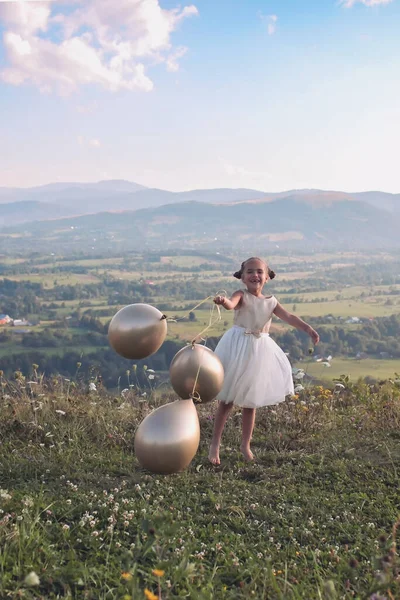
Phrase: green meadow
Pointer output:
(315, 516)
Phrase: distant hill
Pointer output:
(116, 195)
(121, 195)
(386, 201)
(289, 222)
(25, 211)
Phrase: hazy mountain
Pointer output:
(113, 196)
(390, 202)
(113, 185)
(22, 212)
(289, 222)
(120, 195)
(88, 198)
(386, 201)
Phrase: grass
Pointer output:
(344, 308)
(189, 261)
(354, 368)
(48, 279)
(314, 517)
(346, 292)
(17, 348)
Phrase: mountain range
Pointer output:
(116, 195)
(123, 212)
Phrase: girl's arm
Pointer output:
(229, 303)
(296, 322)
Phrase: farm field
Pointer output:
(345, 309)
(353, 368)
(176, 284)
(51, 280)
(17, 349)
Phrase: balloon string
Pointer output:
(195, 396)
(219, 293)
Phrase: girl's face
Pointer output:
(255, 275)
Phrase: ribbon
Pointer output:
(257, 333)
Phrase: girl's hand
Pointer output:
(314, 336)
(219, 300)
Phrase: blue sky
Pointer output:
(263, 94)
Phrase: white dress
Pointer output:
(257, 371)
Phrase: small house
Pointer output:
(21, 323)
(5, 319)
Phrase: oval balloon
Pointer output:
(168, 438)
(137, 331)
(196, 361)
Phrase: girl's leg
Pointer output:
(221, 417)
(248, 419)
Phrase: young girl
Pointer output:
(257, 371)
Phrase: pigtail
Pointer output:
(271, 273)
(238, 274)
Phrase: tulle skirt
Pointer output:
(257, 371)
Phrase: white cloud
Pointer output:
(239, 173)
(172, 60)
(270, 21)
(95, 143)
(87, 142)
(350, 3)
(86, 109)
(271, 27)
(112, 44)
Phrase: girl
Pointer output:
(257, 371)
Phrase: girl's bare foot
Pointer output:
(213, 455)
(247, 453)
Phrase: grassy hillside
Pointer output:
(314, 517)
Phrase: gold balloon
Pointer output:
(196, 361)
(167, 439)
(137, 331)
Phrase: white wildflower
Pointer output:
(92, 387)
(32, 579)
(299, 375)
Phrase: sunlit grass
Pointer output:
(355, 368)
(345, 308)
(312, 518)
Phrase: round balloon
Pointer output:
(168, 438)
(137, 331)
(196, 367)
